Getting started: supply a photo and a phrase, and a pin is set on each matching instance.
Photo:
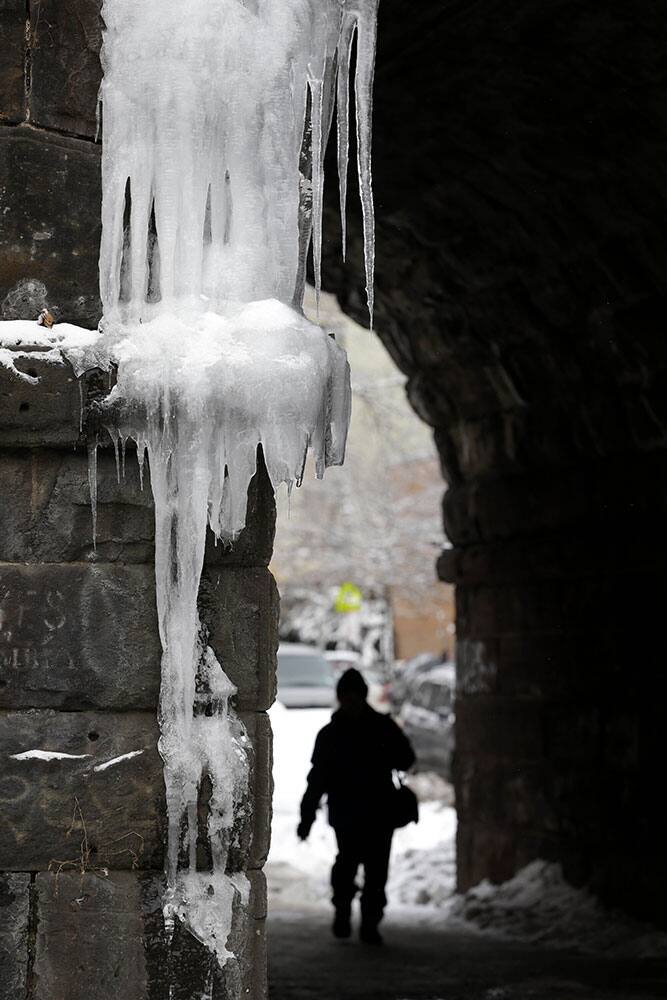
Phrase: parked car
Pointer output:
(427, 718)
(305, 679)
(341, 660)
(404, 673)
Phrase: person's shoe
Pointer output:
(341, 926)
(369, 934)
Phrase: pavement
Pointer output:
(422, 961)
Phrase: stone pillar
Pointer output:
(82, 837)
(561, 684)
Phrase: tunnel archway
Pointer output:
(521, 287)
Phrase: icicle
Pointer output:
(318, 184)
(123, 442)
(92, 486)
(363, 90)
(343, 118)
(114, 435)
(80, 381)
(141, 457)
(203, 111)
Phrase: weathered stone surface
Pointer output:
(89, 937)
(47, 803)
(65, 66)
(14, 910)
(78, 636)
(254, 546)
(51, 219)
(240, 607)
(82, 635)
(45, 413)
(122, 807)
(259, 729)
(45, 512)
(590, 498)
(12, 32)
(105, 938)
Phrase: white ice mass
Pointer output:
(215, 118)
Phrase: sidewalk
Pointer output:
(421, 962)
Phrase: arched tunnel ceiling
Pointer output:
(519, 153)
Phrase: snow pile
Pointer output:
(423, 868)
(539, 906)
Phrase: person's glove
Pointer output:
(303, 829)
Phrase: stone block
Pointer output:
(122, 807)
(259, 730)
(14, 912)
(51, 219)
(494, 727)
(254, 546)
(12, 59)
(82, 636)
(48, 803)
(45, 513)
(65, 65)
(240, 608)
(105, 938)
(78, 636)
(46, 413)
(518, 797)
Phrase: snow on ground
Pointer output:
(537, 905)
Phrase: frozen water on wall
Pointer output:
(215, 119)
(206, 111)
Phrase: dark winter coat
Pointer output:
(352, 763)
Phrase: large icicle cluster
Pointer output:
(215, 118)
(205, 110)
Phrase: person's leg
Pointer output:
(343, 875)
(377, 849)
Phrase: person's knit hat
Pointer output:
(351, 682)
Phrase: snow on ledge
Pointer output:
(117, 760)
(48, 755)
(22, 338)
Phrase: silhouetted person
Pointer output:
(353, 760)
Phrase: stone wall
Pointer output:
(49, 162)
(81, 850)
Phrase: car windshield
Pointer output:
(304, 670)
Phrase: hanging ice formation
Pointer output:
(215, 120)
